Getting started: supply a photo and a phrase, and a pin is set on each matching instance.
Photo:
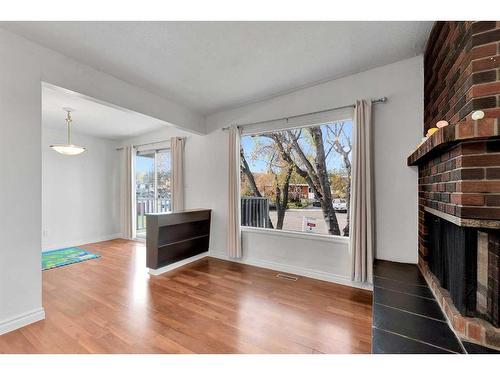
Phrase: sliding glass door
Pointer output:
(163, 179)
(152, 184)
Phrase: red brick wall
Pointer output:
(463, 181)
(461, 75)
(461, 71)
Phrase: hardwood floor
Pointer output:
(111, 305)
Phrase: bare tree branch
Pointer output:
(338, 132)
(310, 169)
(322, 176)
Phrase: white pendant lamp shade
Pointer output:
(68, 148)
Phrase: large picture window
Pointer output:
(298, 179)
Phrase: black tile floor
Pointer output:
(472, 348)
(406, 317)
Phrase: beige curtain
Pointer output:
(128, 206)
(361, 234)
(177, 149)
(234, 233)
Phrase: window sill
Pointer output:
(291, 234)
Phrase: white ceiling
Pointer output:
(93, 118)
(211, 66)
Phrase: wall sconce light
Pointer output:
(431, 131)
(441, 124)
(477, 115)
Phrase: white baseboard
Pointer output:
(178, 264)
(62, 245)
(306, 272)
(22, 320)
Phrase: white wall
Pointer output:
(397, 127)
(80, 194)
(23, 66)
(20, 188)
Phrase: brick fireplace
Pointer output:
(459, 229)
(459, 177)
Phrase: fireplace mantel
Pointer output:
(470, 223)
(451, 135)
(459, 173)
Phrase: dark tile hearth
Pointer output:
(472, 348)
(399, 272)
(423, 329)
(389, 343)
(406, 317)
(416, 290)
(410, 303)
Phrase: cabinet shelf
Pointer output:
(172, 237)
(161, 246)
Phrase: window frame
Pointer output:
(286, 232)
(295, 234)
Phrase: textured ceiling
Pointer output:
(212, 66)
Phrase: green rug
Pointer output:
(63, 257)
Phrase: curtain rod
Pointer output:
(149, 143)
(374, 101)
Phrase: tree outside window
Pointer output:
(304, 175)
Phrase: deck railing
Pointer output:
(147, 205)
(255, 212)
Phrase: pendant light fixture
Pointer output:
(68, 148)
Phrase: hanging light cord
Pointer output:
(68, 121)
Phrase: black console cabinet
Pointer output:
(172, 237)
